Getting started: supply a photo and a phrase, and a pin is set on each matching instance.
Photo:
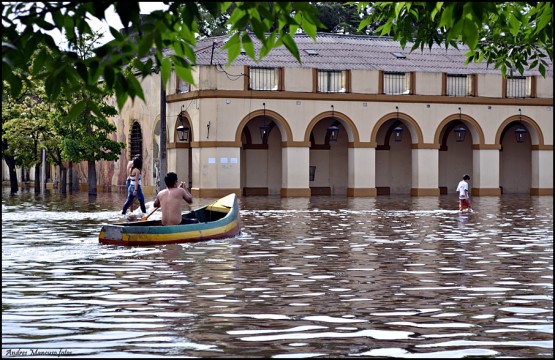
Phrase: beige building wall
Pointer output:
(364, 82)
(428, 83)
(298, 79)
(219, 109)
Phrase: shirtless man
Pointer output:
(170, 200)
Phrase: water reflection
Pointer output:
(308, 277)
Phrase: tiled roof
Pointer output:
(341, 52)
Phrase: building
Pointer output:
(406, 123)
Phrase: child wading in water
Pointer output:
(464, 195)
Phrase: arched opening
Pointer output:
(261, 156)
(393, 158)
(515, 159)
(328, 158)
(455, 155)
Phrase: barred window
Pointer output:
(136, 140)
(519, 86)
(396, 83)
(263, 78)
(182, 86)
(332, 81)
(459, 85)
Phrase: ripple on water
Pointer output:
(389, 276)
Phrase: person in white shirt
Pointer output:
(464, 194)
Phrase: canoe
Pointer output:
(217, 220)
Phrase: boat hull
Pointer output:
(218, 220)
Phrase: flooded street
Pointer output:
(391, 276)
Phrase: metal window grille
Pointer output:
(261, 78)
(331, 81)
(519, 86)
(396, 83)
(459, 85)
(136, 140)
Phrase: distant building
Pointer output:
(406, 123)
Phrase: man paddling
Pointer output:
(171, 200)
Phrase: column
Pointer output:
(425, 171)
(362, 172)
(485, 170)
(542, 172)
(295, 171)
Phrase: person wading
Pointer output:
(464, 195)
(134, 188)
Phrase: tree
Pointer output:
(31, 123)
(507, 35)
(338, 17)
(510, 35)
(24, 129)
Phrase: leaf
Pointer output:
(76, 110)
(185, 73)
(94, 108)
(145, 44)
(233, 46)
(248, 46)
(309, 28)
(541, 69)
(291, 46)
(109, 76)
(135, 88)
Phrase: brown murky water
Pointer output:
(391, 276)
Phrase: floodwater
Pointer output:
(391, 276)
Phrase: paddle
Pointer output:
(144, 218)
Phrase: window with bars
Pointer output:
(459, 85)
(332, 81)
(519, 86)
(396, 83)
(182, 86)
(263, 78)
(136, 140)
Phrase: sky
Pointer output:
(113, 20)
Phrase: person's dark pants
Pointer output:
(130, 197)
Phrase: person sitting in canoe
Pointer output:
(170, 200)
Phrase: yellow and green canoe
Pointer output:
(217, 220)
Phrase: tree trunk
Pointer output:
(91, 177)
(63, 179)
(37, 178)
(10, 161)
(73, 181)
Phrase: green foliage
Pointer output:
(509, 35)
(513, 36)
(175, 29)
(338, 17)
(70, 128)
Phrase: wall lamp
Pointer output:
(264, 128)
(333, 130)
(520, 130)
(398, 130)
(182, 130)
(460, 131)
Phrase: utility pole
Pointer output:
(163, 135)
